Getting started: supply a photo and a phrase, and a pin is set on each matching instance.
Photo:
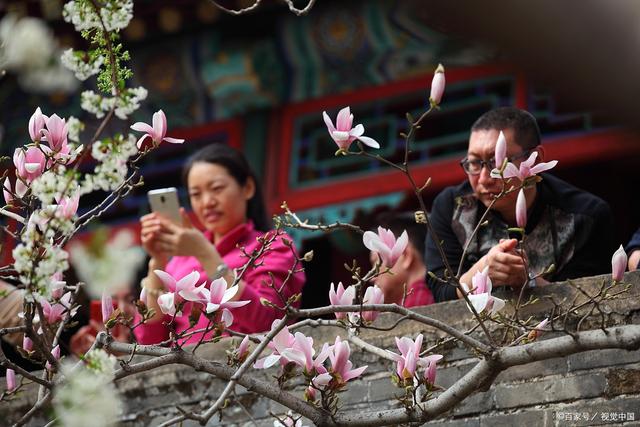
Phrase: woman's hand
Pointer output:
(151, 225)
(181, 240)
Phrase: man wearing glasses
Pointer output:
(567, 227)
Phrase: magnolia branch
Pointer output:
(394, 308)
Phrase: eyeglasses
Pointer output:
(474, 167)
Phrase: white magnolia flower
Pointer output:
(27, 43)
(112, 269)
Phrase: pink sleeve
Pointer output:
(420, 295)
(150, 333)
(255, 317)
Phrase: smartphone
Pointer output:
(165, 201)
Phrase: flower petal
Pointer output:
(142, 127)
(173, 140)
(369, 141)
(541, 167)
(344, 120)
(328, 122)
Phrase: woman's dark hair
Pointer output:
(236, 164)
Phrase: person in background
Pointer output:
(406, 279)
(567, 227)
(226, 199)
(633, 250)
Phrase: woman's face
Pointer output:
(218, 200)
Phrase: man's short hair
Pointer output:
(524, 125)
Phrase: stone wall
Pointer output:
(589, 388)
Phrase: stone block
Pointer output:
(476, 403)
(549, 390)
(623, 381)
(602, 358)
(535, 369)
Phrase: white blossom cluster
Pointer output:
(83, 69)
(87, 397)
(128, 102)
(28, 49)
(113, 269)
(111, 171)
(115, 14)
(75, 126)
(37, 242)
(101, 363)
(52, 183)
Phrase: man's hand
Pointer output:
(506, 266)
(634, 259)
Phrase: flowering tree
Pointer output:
(42, 194)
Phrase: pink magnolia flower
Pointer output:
(319, 382)
(437, 86)
(501, 150)
(343, 133)
(56, 134)
(167, 304)
(11, 380)
(301, 352)
(288, 421)
(107, 307)
(373, 295)
(385, 244)
(407, 360)
(430, 372)
(30, 164)
(521, 209)
(54, 312)
(219, 297)
(68, 205)
(341, 296)
(56, 355)
(480, 295)
(527, 168)
(282, 341)
(156, 132)
(27, 344)
(618, 264)
(19, 191)
(185, 288)
(341, 366)
(36, 125)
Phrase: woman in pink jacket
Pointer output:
(227, 201)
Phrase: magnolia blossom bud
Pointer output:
(501, 150)
(430, 373)
(437, 86)
(243, 348)
(537, 331)
(618, 264)
(11, 380)
(56, 355)
(521, 210)
(107, 307)
(27, 344)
